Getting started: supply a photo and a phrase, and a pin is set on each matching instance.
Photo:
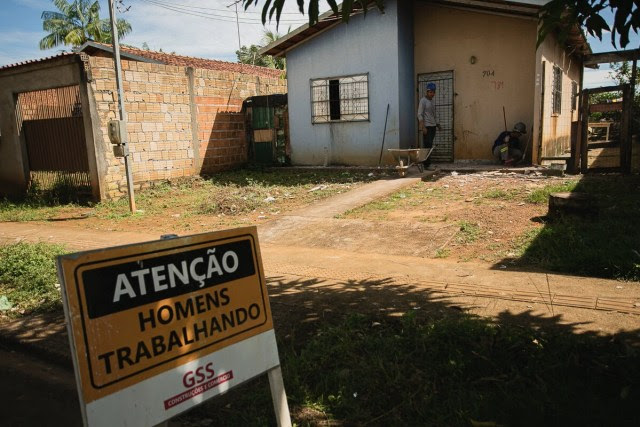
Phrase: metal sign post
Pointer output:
(121, 109)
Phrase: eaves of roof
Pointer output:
(305, 32)
(31, 62)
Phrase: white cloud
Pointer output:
(214, 36)
(158, 26)
(18, 46)
(12, 37)
(597, 78)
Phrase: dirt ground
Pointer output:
(434, 246)
(485, 215)
(424, 219)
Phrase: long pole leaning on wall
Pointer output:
(121, 109)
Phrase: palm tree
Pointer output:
(268, 38)
(249, 55)
(76, 22)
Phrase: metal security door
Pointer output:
(443, 144)
(52, 123)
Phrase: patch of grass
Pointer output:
(416, 195)
(447, 371)
(41, 204)
(442, 253)
(469, 232)
(497, 193)
(26, 211)
(234, 200)
(245, 191)
(389, 203)
(541, 195)
(592, 249)
(522, 242)
(227, 193)
(28, 277)
(606, 245)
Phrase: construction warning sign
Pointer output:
(162, 323)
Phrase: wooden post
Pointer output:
(634, 75)
(625, 129)
(536, 151)
(571, 164)
(576, 129)
(583, 140)
(632, 112)
(279, 397)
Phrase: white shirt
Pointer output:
(427, 112)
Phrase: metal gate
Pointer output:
(53, 128)
(443, 143)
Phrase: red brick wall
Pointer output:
(221, 132)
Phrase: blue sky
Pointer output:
(214, 35)
(203, 28)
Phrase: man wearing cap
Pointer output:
(507, 147)
(427, 121)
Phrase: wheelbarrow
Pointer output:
(410, 157)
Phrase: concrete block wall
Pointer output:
(160, 126)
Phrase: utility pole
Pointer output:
(121, 109)
(235, 3)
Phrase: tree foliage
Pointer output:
(274, 7)
(76, 22)
(621, 74)
(556, 16)
(560, 15)
(250, 55)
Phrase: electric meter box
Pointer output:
(120, 150)
(117, 132)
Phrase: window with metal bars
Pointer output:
(556, 97)
(340, 99)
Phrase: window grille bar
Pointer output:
(340, 99)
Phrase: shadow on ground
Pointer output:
(269, 177)
(603, 242)
(372, 353)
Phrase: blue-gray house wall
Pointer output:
(368, 44)
(406, 77)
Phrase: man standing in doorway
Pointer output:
(427, 120)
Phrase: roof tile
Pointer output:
(207, 64)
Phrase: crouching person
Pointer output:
(507, 147)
